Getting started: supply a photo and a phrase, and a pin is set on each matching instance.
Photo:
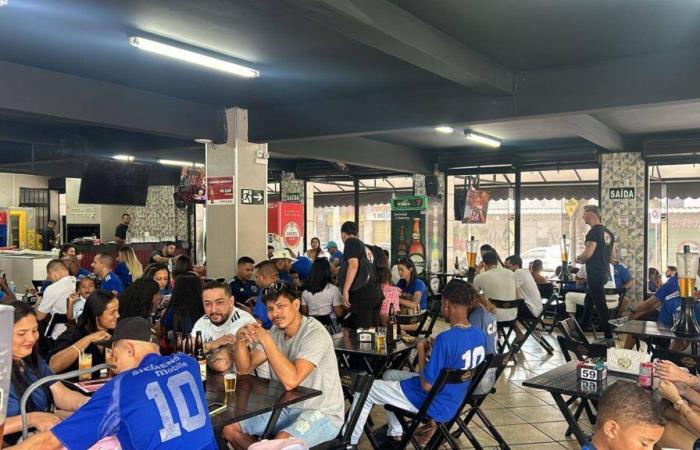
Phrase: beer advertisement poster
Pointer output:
(477, 206)
(408, 231)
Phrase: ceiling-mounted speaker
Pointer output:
(431, 185)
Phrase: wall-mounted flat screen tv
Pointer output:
(111, 182)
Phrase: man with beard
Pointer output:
(221, 319)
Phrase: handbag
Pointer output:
(626, 361)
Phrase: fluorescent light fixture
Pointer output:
(123, 157)
(172, 162)
(3, 2)
(482, 139)
(192, 57)
(445, 129)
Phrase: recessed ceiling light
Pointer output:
(482, 139)
(444, 129)
(123, 157)
(192, 57)
(172, 162)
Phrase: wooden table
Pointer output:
(253, 396)
(648, 329)
(564, 381)
(375, 360)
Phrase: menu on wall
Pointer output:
(220, 190)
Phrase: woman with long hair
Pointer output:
(139, 299)
(185, 306)
(28, 367)
(182, 264)
(127, 255)
(315, 251)
(67, 249)
(321, 298)
(96, 322)
(159, 273)
(414, 293)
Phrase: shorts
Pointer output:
(311, 426)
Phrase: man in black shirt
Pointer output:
(598, 256)
(122, 228)
(48, 236)
(164, 255)
(365, 300)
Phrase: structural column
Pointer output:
(234, 229)
(623, 190)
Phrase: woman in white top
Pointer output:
(321, 299)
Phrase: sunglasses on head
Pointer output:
(277, 287)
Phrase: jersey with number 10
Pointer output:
(158, 405)
(457, 348)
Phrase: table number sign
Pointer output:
(591, 371)
(365, 335)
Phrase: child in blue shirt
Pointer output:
(463, 346)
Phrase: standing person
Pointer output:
(365, 300)
(185, 306)
(155, 402)
(299, 352)
(461, 347)
(54, 300)
(265, 276)
(120, 233)
(102, 267)
(165, 255)
(321, 299)
(315, 251)
(49, 236)
(497, 283)
(335, 256)
(96, 324)
(414, 295)
(598, 255)
(242, 285)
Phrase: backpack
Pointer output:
(365, 272)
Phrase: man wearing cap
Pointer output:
(154, 402)
(598, 255)
(283, 260)
(336, 257)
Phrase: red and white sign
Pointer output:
(220, 190)
(287, 220)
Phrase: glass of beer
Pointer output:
(472, 248)
(230, 382)
(85, 362)
(380, 339)
(687, 263)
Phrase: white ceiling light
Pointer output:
(192, 57)
(3, 2)
(128, 158)
(482, 139)
(172, 162)
(444, 129)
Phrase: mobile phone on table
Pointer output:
(216, 408)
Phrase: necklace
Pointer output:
(461, 325)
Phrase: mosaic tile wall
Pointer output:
(159, 217)
(625, 217)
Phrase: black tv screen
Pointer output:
(109, 182)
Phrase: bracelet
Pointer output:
(678, 404)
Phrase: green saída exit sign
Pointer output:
(621, 193)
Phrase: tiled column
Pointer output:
(625, 217)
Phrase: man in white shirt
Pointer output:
(528, 288)
(54, 300)
(497, 283)
(221, 320)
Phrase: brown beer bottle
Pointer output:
(392, 326)
(200, 356)
(416, 251)
(187, 345)
(402, 250)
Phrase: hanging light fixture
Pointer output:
(482, 139)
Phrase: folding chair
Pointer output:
(410, 421)
(690, 362)
(506, 327)
(354, 384)
(572, 330)
(531, 326)
(474, 402)
(582, 351)
(433, 314)
(551, 303)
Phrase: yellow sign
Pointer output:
(570, 206)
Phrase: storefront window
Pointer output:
(674, 213)
(333, 203)
(375, 207)
(552, 205)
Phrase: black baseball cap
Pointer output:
(134, 329)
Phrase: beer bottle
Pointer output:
(402, 250)
(200, 356)
(392, 326)
(416, 251)
(187, 345)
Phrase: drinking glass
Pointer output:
(230, 382)
(85, 362)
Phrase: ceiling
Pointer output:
(360, 83)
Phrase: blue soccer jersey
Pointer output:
(260, 312)
(486, 321)
(158, 405)
(457, 348)
(668, 290)
(112, 283)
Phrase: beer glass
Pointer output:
(85, 362)
(229, 382)
(687, 263)
(380, 339)
(472, 248)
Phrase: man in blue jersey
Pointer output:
(649, 309)
(461, 347)
(266, 275)
(156, 402)
(102, 266)
(628, 419)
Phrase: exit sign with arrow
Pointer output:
(252, 197)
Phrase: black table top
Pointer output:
(348, 342)
(253, 396)
(643, 328)
(563, 380)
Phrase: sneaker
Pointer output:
(617, 322)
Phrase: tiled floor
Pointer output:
(526, 418)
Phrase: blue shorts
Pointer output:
(311, 426)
